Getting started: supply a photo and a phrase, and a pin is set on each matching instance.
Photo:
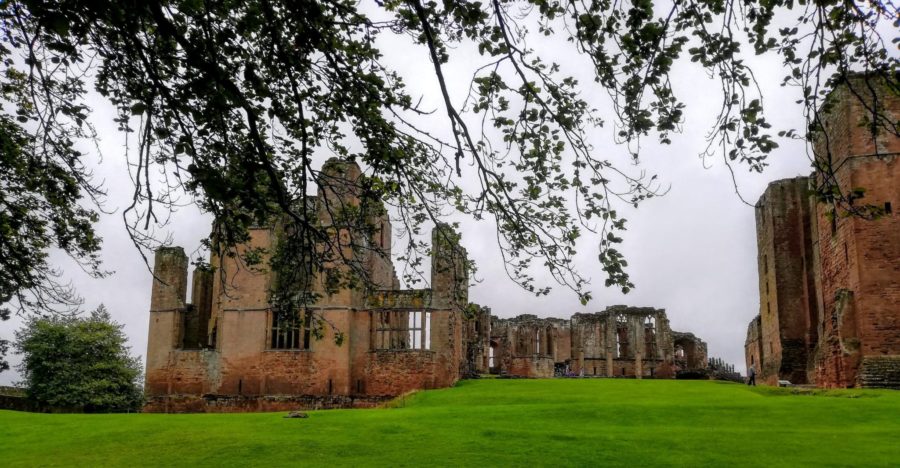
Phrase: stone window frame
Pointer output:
(650, 337)
(294, 338)
(401, 330)
(622, 340)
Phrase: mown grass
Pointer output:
(586, 422)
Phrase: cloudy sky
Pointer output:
(691, 252)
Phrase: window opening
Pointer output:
(291, 331)
(650, 336)
(402, 330)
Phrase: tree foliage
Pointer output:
(230, 100)
(79, 363)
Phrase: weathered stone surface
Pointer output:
(621, 341)
(226, 352)
(830, 284)
(218, 354)
(787, 326)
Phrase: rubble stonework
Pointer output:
(830, 284)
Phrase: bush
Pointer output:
(692, 374)
(79, 364)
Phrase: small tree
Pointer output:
(79, 363)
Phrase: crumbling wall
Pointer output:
(476, 341)
(623, 341)
(249, 360)
(525, 346)
(690, 352)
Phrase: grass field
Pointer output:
(490, 423)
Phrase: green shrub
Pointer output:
(79, 364)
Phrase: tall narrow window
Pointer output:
(888, 209)
(650, 337)
(537, 342)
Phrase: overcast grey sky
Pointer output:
(691, 252)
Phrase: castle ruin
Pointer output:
(621, 341)
(229, 349)
(829, 284)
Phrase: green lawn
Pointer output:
(490, 423)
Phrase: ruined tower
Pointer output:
(787, 308)
(859, 325)
(829, 266)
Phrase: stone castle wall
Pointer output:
(222, 351)
(621, 341)
(841, 270)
